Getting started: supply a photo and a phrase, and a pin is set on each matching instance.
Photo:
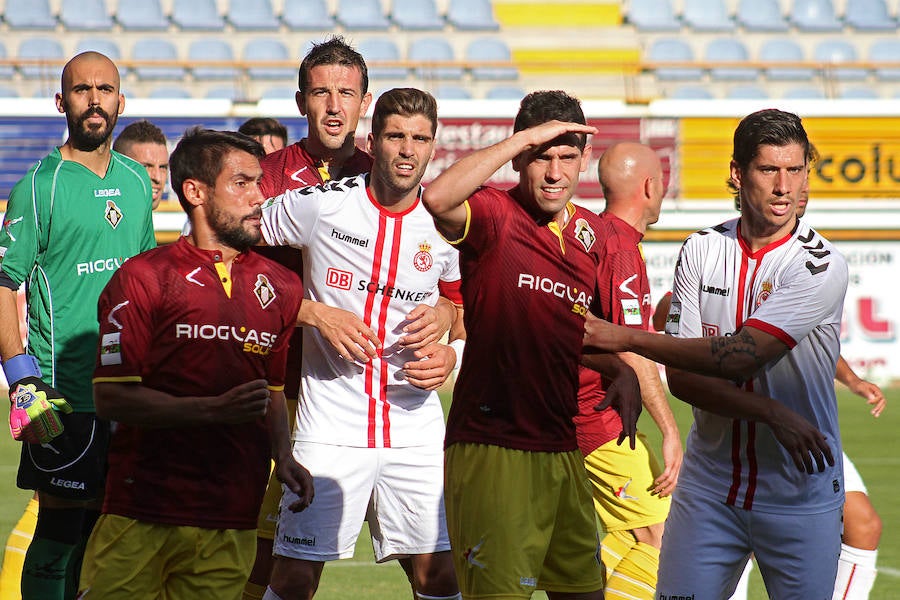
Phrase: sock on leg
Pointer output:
(614, 547)
(856, 573)
(635, 575)
(14, 557)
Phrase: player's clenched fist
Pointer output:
(242, 403)
(32, 414)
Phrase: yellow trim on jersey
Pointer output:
(465, 229)
(322, 168)
(125, 379)
(224, 277)
(275, 388)
(557, 230)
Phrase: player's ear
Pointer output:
(364, 106)
(300, 99)
(370, 143)
(194, 191)
(121, 103)
(60, 103)
(586, 157)
(735, 174)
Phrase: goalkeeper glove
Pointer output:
(33, 414)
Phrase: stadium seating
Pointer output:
(858, 93)
(206, 49)
(267, 49)
(41, 48)
(149, 49)
(433, 50)
(178, 93)
(8, 92)
(761, 15)
(776, 50)
(252, 15)
(674, 50)
(747, 92)
(85, 15)
(225, 92)
(505, 92)
(729, 50)
(815, 16)
(490, 49)
(869, 15)
(707, 15)
(197, 15)
(804, 93)
(834, 52)
(653, 15)
(6, 72)
(362, 15)
(452, 92)
(472, 15)
(303, 15)
(29, 14)
(691, 92)
(141, 15)
(883, 51)
(381, 49)
(105, 46)
(416, 15)
(279, 93)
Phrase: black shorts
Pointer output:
(71, 466)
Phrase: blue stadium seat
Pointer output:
(472, 15)
(804, 93)
(653, 15)
(491, 49)
(381, 49)
(885, 50)
(815, 16)
(505, 92)
(869, 15)
(7, 92)
(149, 49)
(29, 14)
(105, 46)
(434, 50)
(41, 48)
(691, 92)
(85, 15)
(747, 92)
(416, 15)
(729, 49)
(208, 49)
(836, 51)
(858, 93)
(6, 72)
(707, 15)
(141, 15)
(674, 50)
(279, 93)
(778, 50)
(761, 15)
(170, 92)
(252, 15)
(452, 92)
(225, 92)
(267, 49)
(362, 15)
(197, 15)
(306, 15)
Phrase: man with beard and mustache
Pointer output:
(370, 429)
(191, 367)
(77, 215)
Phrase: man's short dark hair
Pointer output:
(139, 132)
(769, 127)
(260, 126)
(544, 106)
(406, 102)
(200, 153)
(333, 51)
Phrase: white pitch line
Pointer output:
(891, 572)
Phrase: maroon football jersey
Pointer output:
(169, 322)
(624, 299)
(290, 168)
(526, 290)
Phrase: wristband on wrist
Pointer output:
(19, 367)
(459, 346)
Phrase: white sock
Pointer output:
(270, 595)
(425, 597)
(856, 573)
(740, 592)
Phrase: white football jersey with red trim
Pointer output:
(793, 289)
(379, 266)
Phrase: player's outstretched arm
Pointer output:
(347, 334)
(136, 404)
(736, 357)
(623, 391)
(865, 389)
(803, 441)
(289, 472)
(428, 324)
(657, 405)
(444, 197)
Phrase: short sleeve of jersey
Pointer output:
(621, 288)
(124, 314)
(684, 312)
(810, 294)
(21, 238)
(288, 219)
(486, 214)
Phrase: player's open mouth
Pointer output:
(405, 167)
(333, 126)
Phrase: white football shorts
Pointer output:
(852, 479)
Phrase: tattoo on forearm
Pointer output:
(739, 347)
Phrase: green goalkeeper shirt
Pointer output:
(65, 232)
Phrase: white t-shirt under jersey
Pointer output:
(793, 289)
(379, 266)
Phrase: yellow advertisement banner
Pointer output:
(859, 157)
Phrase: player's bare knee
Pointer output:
(293, 578)
(434, 574)
(651, 534)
